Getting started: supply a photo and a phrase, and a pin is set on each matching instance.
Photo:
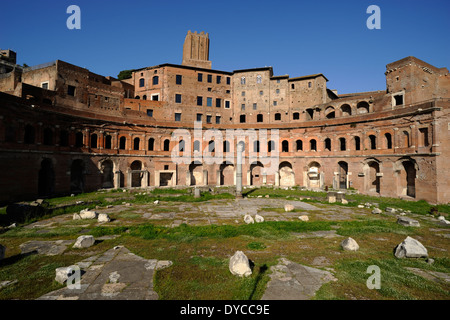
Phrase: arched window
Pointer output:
(373, 142)
(181, 146)
(256, 146)
(299, 145)
(330, 113)
(144, 97)
(357, 143)
(343, 144)
(151, 144)
(388, 138)
(197, 145)
(63, 138)
(362, 107)
(310, 114)
(122, 143)
(226, 146)
(136, 143)
(141, 82)
(79, 139)
(313, 145)
(328, 144)
(270, 146)
(94, 139)
(155, 80)
(137, 97)
(167, 145)
(346, 110)
(211, 146)
(108, 142)
(285, 146)
(406, 142)
(48, 137)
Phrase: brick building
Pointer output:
(64, 129)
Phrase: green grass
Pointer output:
(255, 245)
(281, 193)
(396, 281)
(170, 191)
(359, 227)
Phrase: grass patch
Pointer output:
(396, 281)
(170, 191)
(359, 227)
(255, 245)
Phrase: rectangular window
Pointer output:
(255, 106)
(178, 98)
(423, 138)
(243, 93)
(228, 80)
(398, 100)
(209, 78)
(209, 102)
(179, 79)
(243, 107)
(219, 79)
(218, 102)
(141, 82)
(277, 91)
(199, 101)
(155, 97)
(200, 77)
(150, 112)
(227, 104)
(71, 91)
(199, 116)
(44, 85)
(177, 116)
(261, 93)
(217, 119)
(208, 119)
(275, 103)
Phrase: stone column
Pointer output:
(117, 180)
(239, 171)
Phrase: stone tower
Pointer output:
(196, 50)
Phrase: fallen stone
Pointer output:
(349, 244)
(79, 202)
(2, 252)
(390, 210)
(402, 213)
(103, 217)
(49, 248)
(239, 265)
(430, 261)
(4, 284)
(127, 204)
(304, 218)
(109, 206)
(248, 219)
(376, 211)
(441, 218)
(76, 216)
(267, 196)
(12, 226)
(84, 242)
(408, 222)
(344, 201)
(156, 202)
(360, 206)
(288, 207)
(197, 193)
(444, 222)
(367, 205)
(259, 218)
(87, 214)
(410, 248)
(62, 274)
(163, 264)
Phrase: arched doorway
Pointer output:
(372, 169)
(256, 174)
(77, 176)
(226, 174)
(196, 173)
(107, 174)
(287, 177)
(343, 174)
(408, 178)
(313, 175)
(136, 174)
(46, 179)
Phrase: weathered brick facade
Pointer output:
(65, 130)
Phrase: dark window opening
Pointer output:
(357, 143)
(199, 101)
(313, 145)
(48, 137)
(178, 79)
(200, 77)
(166, 145)
(296, 116)
(373, 142)
(177, 98)
(277, 116)
(108, 142)
(285, 146)
(259, 118)
(155, 80)
(398, 99)
(150, 112)
(79, 140)
(242, 118)
(136, 143)
(343, 144)
(299, 145)
(122, 143)
(209, 78)
(328, 144)
(177, 116)
(151, 144)
(71, 90)
(141, 82)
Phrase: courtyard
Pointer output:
(166, 243)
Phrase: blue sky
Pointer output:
(294, 37)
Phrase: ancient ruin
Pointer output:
(65, 130)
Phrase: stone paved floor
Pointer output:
(293, 281)
(117, 274)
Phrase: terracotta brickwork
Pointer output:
(64, 129)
